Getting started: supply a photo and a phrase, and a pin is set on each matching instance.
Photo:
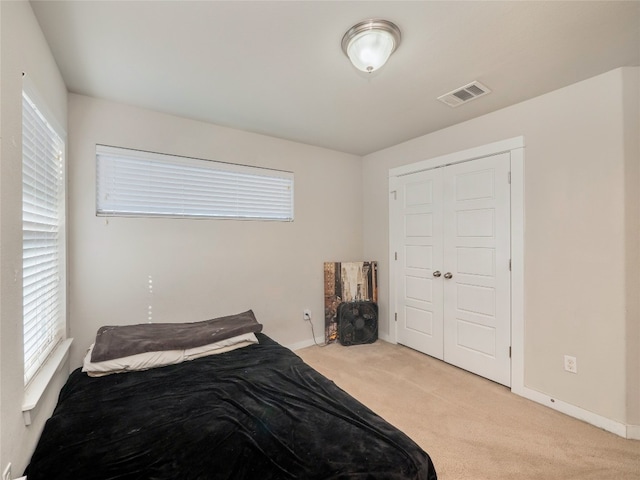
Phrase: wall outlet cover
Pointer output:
(570, 364)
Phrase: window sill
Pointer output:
(33, 393)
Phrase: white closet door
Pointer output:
(450, 230)
(418, 232)
(477, 296)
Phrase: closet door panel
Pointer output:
(418, 242)
(477, 317)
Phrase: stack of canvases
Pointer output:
(350, 300)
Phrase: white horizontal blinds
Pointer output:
(135, 183)
(42, 237)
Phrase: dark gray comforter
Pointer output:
(258, 412)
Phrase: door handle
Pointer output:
(448, 275)
(437, 273)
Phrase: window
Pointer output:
(43, 239)
(135, 183)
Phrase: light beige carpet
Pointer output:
(473, 428)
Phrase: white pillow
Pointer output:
(146, 361)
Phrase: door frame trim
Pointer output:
(515, 146)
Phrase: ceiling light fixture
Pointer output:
(370, 43)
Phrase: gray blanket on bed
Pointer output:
(123, 341)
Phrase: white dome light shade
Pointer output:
(370, 50)
(369, 44)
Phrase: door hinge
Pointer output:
(395, 194)
(396, 255)
(396, 316)
(509, 177)
(509, 264)
(509, 352)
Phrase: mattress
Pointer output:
(257, 412)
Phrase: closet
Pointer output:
(450, 250)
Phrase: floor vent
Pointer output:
(464, 94)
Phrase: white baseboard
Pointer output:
(633, 432)
(385, 337)
(599, 421)
(302, 344)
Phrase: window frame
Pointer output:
(55, 350)
(138, 183)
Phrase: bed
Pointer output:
(255, 412)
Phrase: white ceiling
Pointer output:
(276, 67)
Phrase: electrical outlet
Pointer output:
(570, 364)
(306, 314)
(6, 474)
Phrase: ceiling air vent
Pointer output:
(464, 94)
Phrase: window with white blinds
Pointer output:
(43, 240)
(144, 184)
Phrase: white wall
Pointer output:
(631, 106)
(205, 268)
(22, 49)
(575, 232)
(582, 230)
